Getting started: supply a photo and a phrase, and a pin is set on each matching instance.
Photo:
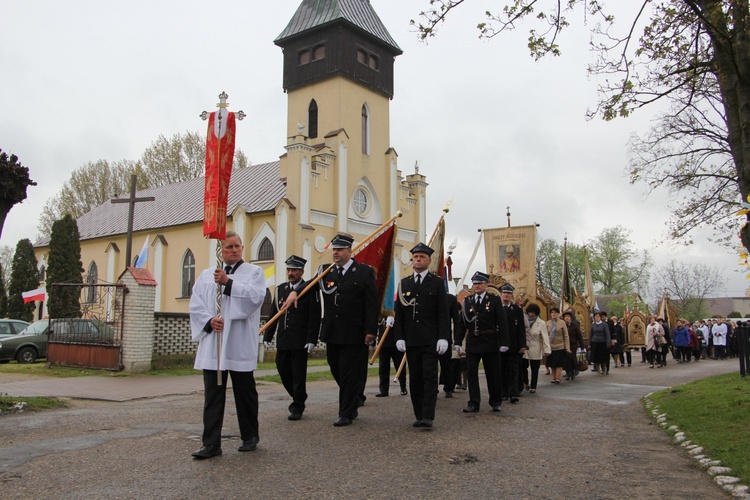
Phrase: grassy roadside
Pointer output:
(11, 404)
(714, 414)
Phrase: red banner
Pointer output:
(379, 255)
(219, 158)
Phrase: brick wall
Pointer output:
(172, 334)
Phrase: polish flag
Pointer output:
(34, 295)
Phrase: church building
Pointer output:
(339, 172)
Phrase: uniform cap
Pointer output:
(480, 277)
(342, 241)
(422, 248)
(295, 262)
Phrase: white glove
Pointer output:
(457, 348)
(401, 345)
(389, 321)
(504, 348)
(268, 345)
(309, 348)
(442, 346)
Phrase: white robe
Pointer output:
(241, 313)
(721, 338)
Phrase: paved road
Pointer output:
(132, 437)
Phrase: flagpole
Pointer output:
(400, 368)
(380, 344)
(460, 284)
(446, 209)
(564, 266)
(325, 271)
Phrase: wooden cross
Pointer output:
(132, 200)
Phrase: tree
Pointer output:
(166, 161)
(615, 265)
(689, 285)
(24, 276)
(548, 269)
(3, 295)
(64, 266)
(693, 55)
(14, 179)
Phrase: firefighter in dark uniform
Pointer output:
(422, 331)
(486, 330)
(349, 324)
(511, 359)
(296, 335)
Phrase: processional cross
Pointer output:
(132, 200)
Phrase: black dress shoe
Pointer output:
(495, 407)
(403, 392)
(427, 422)
(360, 401)
(207, 452)
(417, 423)
(294, 416)
(342, 421)
(381, 395)
(514, 399)
(449, 394)
(471, 409)
(249, 444)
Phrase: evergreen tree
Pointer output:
(14, 179)
(24, 276)
(3, 294)
(64, 266)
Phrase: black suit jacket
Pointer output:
(298, 325)
(516, 327)
(426, 321)
(489, 315)
(350, 310)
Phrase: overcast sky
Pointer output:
(490, 128)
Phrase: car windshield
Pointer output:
(36, 328)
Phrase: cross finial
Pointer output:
(508, 214)
(223, 104)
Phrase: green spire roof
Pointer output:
(313, 14)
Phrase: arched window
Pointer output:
(265, 252)
(188, 273)
(42, 274)
(91, 278)
(365, 130)
(312, 120)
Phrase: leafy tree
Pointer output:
(549, 256)
(617, 308)
(734, 314)
(166, 161)
(692, 55)
(64, 266)
(24, 276)
(3, 295)
(689, 285)
(615, 265)
(14, 179)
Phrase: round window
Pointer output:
(361, 202)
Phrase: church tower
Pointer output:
(340, 170)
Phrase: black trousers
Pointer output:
(423, 380)
(386, 356)
(292, 367)
(492, 371)
(510, 373)
(245, 400)
(534, 365)
(348, 364)
(447, 371)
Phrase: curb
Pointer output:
(720, 475)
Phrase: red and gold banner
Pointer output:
(219, 157)
(378, 254)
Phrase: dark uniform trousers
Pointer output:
(246, 400)
(292, 367)
(447, 371)
(492, 370)
(384, 368)
(510, 363)
(423, 380)
(348, 364)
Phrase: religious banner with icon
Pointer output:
(219, 158)
(511, 253)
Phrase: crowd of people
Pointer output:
(443, 339)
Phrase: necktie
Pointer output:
(341, 271)
(477, 299)
(419, 279)
(228, 269)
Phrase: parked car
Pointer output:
(10, 327)
(85, 331)
(28, 345)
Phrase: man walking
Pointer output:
(511, 359)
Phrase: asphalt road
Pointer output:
(586, 439)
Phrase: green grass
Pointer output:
(713, 413)
(9, 403)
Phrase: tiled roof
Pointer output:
(316, 13)
(142, 276)
(256, 188)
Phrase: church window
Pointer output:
(361, 202)
(368, 59)
(319, 52)
(303, 57)
(373, 62)
(43, 273)
(91, 278)
(188, 273)
(312, 120)
(265, 252)
(365, 130)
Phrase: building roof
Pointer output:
(257, 188)
(312, 14)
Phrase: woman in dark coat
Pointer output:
(599, 341)
(618, 341)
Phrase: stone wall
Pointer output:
(172, 334)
